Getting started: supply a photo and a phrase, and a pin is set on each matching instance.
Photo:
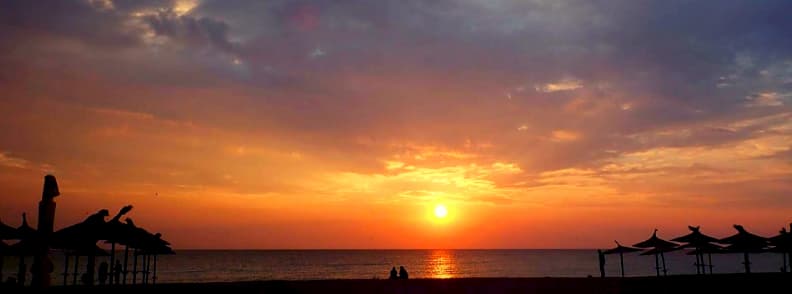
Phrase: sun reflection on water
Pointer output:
(441, 265)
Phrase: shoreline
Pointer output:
(728, 283)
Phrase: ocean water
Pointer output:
(224, 265)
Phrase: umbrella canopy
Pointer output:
(744, 240)
(782, 241)
(155, 245)
(137, 237)
(82, 234)
(655, 242)
(620, 249)
(703, 248)
(659, 250)
(7, 232)
(695, 237)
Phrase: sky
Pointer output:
(343, 124)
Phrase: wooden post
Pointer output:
(42, 265)
(621, 261)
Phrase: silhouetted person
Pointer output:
(102, 273)
(117, 272)
(403, 273)
(393, 275)
(601, 263)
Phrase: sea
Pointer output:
(188, 266)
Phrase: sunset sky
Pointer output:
(342, 124)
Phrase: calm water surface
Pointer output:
(219, 265)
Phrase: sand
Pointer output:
(725, 283)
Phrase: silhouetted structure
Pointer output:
(708, 249)
(745, 243)
(601, 258)
(76, 241)
(42, 265)
(782, 243)
(658, 247)
(621, 250)
(701, 244)
(403, 273)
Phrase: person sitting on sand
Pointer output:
(103, 273)
(393, 274)
(403, 273)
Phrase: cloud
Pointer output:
(562, 85)
(766, 99)
(10, 161)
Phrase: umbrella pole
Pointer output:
(76, 269)
(1, 267)
(126, 262)
(112, 261)
(747, 263)
(783, 261)
(709, 255)
(148, 268)
(662, 257)
(621, 262)
(143, 276)
(65, 268)
(134, 266)
(657, 264)
(21, 272)
(698, 262)
(154, 279)
(789, 256)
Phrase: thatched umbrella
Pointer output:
(115, 232)
(699, 251)
(28, 237)
(83, 235)
(661, 246)
(156, 246)
(139, 239)
(697, 240)
(621, 250)
(745, 243)
(782, 243)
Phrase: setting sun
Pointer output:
(440, 211)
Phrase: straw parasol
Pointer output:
(695, 239)
(699, 251)
(782, 243)
(156, 246)
(115, 232)
(83, 235)
(745, 243)
(659, 246)
(621, 250)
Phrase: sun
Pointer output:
(440, 211)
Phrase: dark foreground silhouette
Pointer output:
(718, 283)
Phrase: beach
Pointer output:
(727, 283)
